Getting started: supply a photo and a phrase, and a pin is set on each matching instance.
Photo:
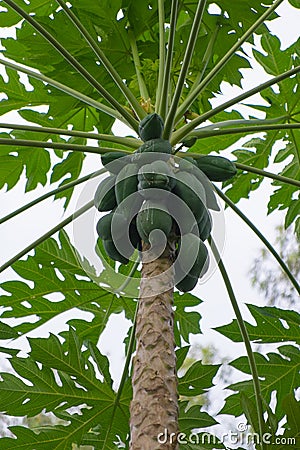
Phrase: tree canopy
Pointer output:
(88, 64)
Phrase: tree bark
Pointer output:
(154, 408)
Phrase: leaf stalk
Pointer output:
(245, 336)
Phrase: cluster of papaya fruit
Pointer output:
(152, 190)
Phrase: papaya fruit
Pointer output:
(191, 191)
(153, 216)
(204, 227)
(216, 168)
(112, 226)
(112, 251)
(183, 218)
(187, 283)
(187, 164)
(113, 161)
(192, 250)
(105, 196)
(151, 127)
(152, 150)
(211, 201)
(134, 236)
(157, 175)
(189, 141)
(126, 182)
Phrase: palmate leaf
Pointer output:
(16, 94)
(8, 17)
(218, 143)
(279, 104)
(54, 270)
(256, 152)
(66, 379)
(278, 372)
(272, 325)
(275, 62)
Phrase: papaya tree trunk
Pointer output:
(154, 408)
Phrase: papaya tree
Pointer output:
(76, 75)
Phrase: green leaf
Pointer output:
(193, 417)
(101, 361)
(7, 332)
(250, 411)
(16, 94)
(61, 283)
(197, 379)
(292, 408)
(272, 325)
(11, 169)
(181, 354)
(186, 322)
(256, 153)
(70, 166)
(274, 61)
(278, 372)
(74, 386)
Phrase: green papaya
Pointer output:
(152, 150)
(134, 236)
(105, 196)
(112, 224)
(191, 191)
(153, 216)
(112, 251)
(189, 141)
(187, 283)
(191, 251)
(126, 182)
(186, 164)
(113, 161)
(156, 175)
(151, 127)
(204, 227)
(211, 201)
(216, 168)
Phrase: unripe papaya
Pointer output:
(211, 201)
(187, 164)
(112, 251)
(189, 141)
(126, 182)
(153, 216)
(157, 175)
(151, 127)
(191, 191)
(191, 251)
(113, 161)
(204, 227)
(187, 283)
(216, 168)
(151, 151)
(112, 224)
(134, 236)
(105, 197)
